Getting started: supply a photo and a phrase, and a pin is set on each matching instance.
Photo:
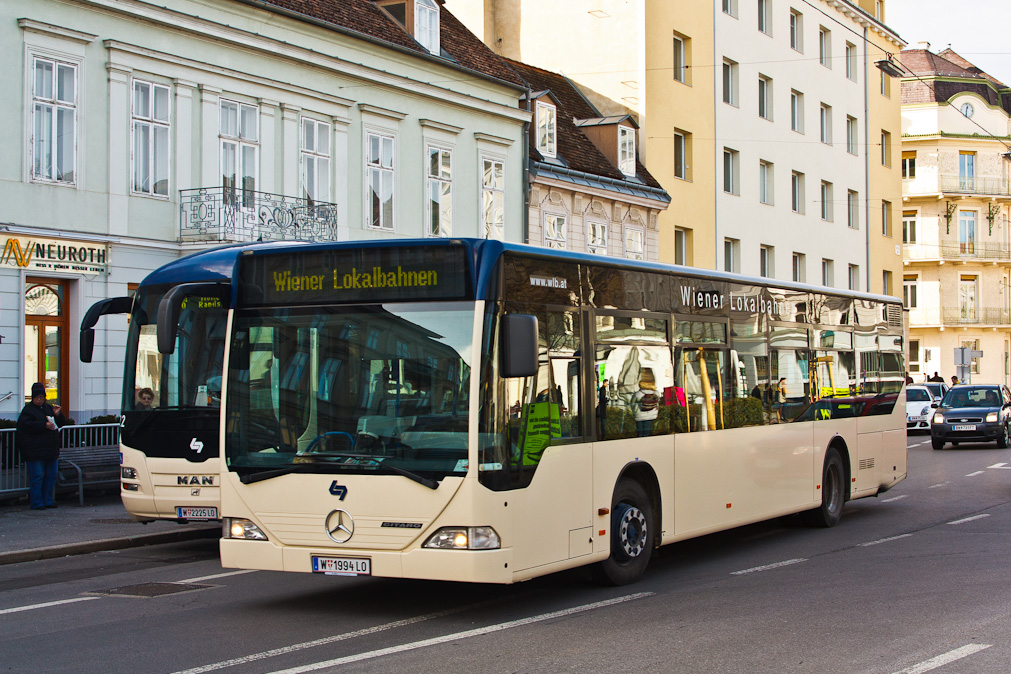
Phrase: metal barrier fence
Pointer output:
(14, 475)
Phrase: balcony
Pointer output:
(953, 250)
(956, 316)
(988, 185)
(229, 215)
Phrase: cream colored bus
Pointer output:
(478, 411)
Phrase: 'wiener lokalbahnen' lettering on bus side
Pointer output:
(711, 299)
(377, 277)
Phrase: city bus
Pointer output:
(170, 402)
(473, 410)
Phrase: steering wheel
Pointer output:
(323, 436)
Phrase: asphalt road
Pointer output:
(912, 581)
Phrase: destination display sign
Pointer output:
(344, 275)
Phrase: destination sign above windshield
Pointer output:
(354, 275)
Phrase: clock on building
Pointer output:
(967, 109)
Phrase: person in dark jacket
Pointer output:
(38, 441)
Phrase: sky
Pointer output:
(976, 29)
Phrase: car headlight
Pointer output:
(938, 418)
(464, 538)
(991, 416)
(237, 527)
(128, 473)
(925, 411)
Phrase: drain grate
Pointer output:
(112, 520)
(147, 590)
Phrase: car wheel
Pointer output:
(1002, 438)
(631, 535)
(937, 443)
(833, 493)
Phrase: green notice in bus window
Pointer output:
(543, 422)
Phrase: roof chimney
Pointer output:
(923, 45)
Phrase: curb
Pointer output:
(140, 540)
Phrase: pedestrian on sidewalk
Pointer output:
(37, 439)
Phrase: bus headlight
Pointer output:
(464, 538)
(128, 473)
(938, 418)
(237, 527)
(991, 417)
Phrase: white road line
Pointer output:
(935, 486)
(1000, 465)
(48, 603)
(944, 659)
(895, 498)
(457, 636)
(885, 540)
(767, 567)
(217, 575)
(969, 519)
(978, 472)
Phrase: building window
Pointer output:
(730, 82)
(825, 120)
(440, 192)
(765, 182)
(825, 46)
(797, 111)
(799, 270)
(796, 30)
(380, 179)
(972, 345)
(851, 134)
(764, 97)
(797, 192)
(730, 7)
(681, 153)
(886, 85)
(886, 148)
(731, 255)
(54, 121)
(914, 355)
(493, 197)
(827, 272)
(681, 54)
(596, 237)
(546, 129)
(239, 132)
(150, 138)
(967, 232)
(908, 226)
(967, 286)
(635, 243)
(763, 16)
(851, 61)
(852, 209)
(886, 218)
(731, 171)
(908, 164)
(909, 291)
(967, 171)
(680, 246)
(626, 150)
(765, 261)
(315, 160)
(426, 24)
(854, 277)
(886, 283)
(554, 231)
(826, 201)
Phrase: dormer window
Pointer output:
(626, 150)
(546, 129)
(426, 24)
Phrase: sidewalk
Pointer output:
(102, 524)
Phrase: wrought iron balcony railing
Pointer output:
(989, 185)
(953, 250)
(225, 214)
(988, 316)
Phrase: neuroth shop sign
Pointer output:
(37, 253)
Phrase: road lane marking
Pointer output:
(48, 603)
(216, 575)
(895, 498)
(885, 540)
(457, 636)
(978, 472)
(777, 565)
(935, 486)
(969, 519)
(944, 659)
(1000, 465)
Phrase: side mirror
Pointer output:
(113, 305)
(172, 304)
(518, 345)
(935, 404)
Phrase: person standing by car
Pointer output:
(954, 380)
(37, 439)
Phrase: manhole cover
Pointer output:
(112, 520)
(151, 589)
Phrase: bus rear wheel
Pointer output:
(833, 493)
(631, 535)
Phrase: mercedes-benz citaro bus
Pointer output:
(171, 403)
(472, 410)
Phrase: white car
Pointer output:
(918, 400)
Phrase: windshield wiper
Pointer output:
(334, 467)
(420, 479)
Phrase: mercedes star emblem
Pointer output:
(340, 526)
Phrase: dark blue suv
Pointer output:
(971, 413)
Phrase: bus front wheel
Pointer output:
(631, 535)
(833, 493)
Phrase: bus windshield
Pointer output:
(188, 378)
(374, 388)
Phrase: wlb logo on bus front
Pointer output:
(338, 490)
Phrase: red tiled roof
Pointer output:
(948, 64)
